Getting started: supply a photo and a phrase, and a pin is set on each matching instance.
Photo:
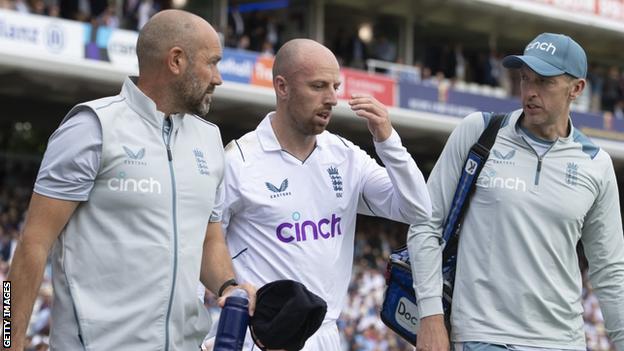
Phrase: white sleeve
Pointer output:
(231, 195)
(72, 159)
(217, 211)
(398, 191)
(603, 243)
(424, 240)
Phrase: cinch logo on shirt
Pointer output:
(144, 185)
(490, 180)
(324, 228)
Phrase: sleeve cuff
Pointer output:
(59, 195)
(430, 306)
(215, 218)
(392, 140)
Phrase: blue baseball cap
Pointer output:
(551, 55)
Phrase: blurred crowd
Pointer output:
(125, 14)
(359, 323)
(458, 68)
(248, 28)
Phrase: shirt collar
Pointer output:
(144, 106)
(517, 116)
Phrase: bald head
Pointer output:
(168, 29)
(297, 52)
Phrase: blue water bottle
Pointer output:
(233, 322)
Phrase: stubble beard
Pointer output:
(305, 126)
(194, 99)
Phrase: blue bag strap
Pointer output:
(477, 157)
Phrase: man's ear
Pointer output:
(577, 88)
(281, 86)
(176, 60)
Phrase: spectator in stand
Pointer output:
(243, 42)
(611, 90)
(272, 33)
(358, 52)
(82, 10)
(45, 8)
(460, 63)
(147, 9)
(42, 310)
(410, 74)
(340, 46)
(595, 77)
(108, 18)
(257, 30)
(448, 62)
(267, 49)
(21, 6)
(496, 68)
(137, 12)
(130, 19)
(236, 23)
(483, 69)
(385, 49)
(9, 242)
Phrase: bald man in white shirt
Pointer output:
(293, 190)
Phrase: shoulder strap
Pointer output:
(477, 156)
(487, 138)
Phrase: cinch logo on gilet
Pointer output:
(544, 46)
(126, 184)
(324, 228)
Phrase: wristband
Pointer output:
(225, 285)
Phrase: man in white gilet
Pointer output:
(293, 189)
(544, 187)
(126, 201)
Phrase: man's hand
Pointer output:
(375, 113)
(432, 334)
(251, 294)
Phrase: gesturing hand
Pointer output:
(375, 113)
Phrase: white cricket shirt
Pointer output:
(288, 219)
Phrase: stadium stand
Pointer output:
(442, 57)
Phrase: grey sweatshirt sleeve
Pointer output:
(398, 191)
(424, 240)
(603, 243)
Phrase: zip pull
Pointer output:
(167, 126)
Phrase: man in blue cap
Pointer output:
(545, 187)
